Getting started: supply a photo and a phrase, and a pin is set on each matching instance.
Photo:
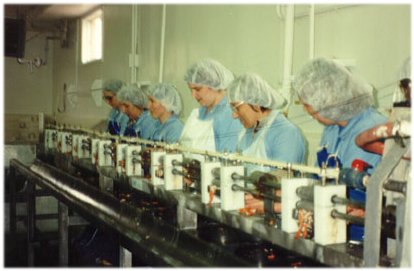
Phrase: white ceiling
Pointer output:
(54, 12)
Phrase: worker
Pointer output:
(117, 121)
(134, 102)
(164, 104)
(268, 134)
(210, 127)
(342, 102)
(372, 140)
(402, 96)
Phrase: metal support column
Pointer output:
(12, 203)
(403, 230)
(125, 257)
(63, 224)
(31, 222)
(186, 218)
(373, 211)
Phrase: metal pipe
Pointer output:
(160, 239)
(161, 71)
(396, 186)
(345, 201)
(186, 175)
(311, 31)
(255, 193)
(259, 179)
(350, 218)
(305, 192)
(303, 204)
(226, 156)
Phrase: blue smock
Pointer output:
(277, 139)
(341, 140)
(226, 128)
(143, 127)
(169, 131)
(117, 122)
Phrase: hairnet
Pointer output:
(134, 95)
(332, 90)
(252, 89)
(167, 95)
(113, 85)
(405, 71)
(210, 73)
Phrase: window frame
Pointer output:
(88, 19)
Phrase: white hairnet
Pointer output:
(332, 90)
(113, 85)
(210, 73)
(167, 95)
(134, 95)
(405, 71)
(252, 89)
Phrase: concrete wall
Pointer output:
(29, 91)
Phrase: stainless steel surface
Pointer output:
(350, 218)
(174, 247)
(334, 255)
(403, 230)
(374, 204)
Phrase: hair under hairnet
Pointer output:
(167, 95)
(210, 73)
(134, 95)
(252, 89)
(332, 90)
(113, 85)
(405, 71)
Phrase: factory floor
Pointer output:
(83, 250)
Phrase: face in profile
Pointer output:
(110, 99)
(246, 114)
(315, 114)
(204, 95)
(155, 107)
(131, 110)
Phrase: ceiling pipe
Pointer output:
(133, 44)
(288, 55)
(161, 72)
(312, 31)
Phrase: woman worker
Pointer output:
(133, 103)
(210, 127)
(164, 104)
(343, 103)
(117, 121)
(268, 133)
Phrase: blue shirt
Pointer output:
(283, 141)
(169, 131)
(342, 139)
(226, 128)
(143, 127)
(119, 119)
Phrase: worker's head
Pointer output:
(405, 82)
(133, 101)
(330, 92)
(163, 97)
(206, 79)
(110, 89)
(250, 96)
